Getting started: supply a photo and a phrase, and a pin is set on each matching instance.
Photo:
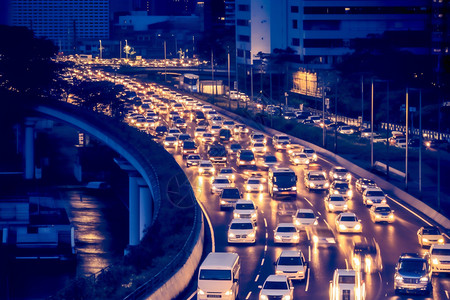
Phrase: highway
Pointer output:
(258, 259)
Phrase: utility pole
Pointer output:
(212, 71)
(126, 49)
(251, 84)
(120, 50)
(335, 116)
(407, 134)
(229, 81)
(323, 116)
(371, 124)
(165, 61)
(387, 131)
(100, 48)
(420, 143)
(362, 100)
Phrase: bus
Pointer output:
(190, 82)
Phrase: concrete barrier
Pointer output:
(401, 195)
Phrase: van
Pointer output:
(218, 276)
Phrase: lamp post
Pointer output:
(371, 123)
(323, 116)
(165, 61)
(100, 48)
(229, 81)
(126, 49)
(407, 135)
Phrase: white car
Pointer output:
(258, 137)
(346, 130)
(259, 148)
(381, 213)
(208, 138)
(347, 284)
(198, 132)
(228, 173)
(294, 148)
(304, 217)
(219, 183)
(254, 184)
(292, 264)
(430, 235)
(174, 131)
(276, 287)
(439, 257)
(286, 233)
(343, 188)
(373, 196)
(348, 222)
(298, 158)
(217, 120)
(311, 153)
(228, 124)
(334, 203)
(241, 231)
(206, 167)
(215, 129)
(170, 141)
(245, 209)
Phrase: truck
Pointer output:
(282, 183)
(217, 154)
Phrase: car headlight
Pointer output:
(356, 261)
(383, 201)
(296, 160)
(253, 215)
(441, 241)
(435, 261)
(369, 201)
(232, 176)
(213, 170)
(260, 187)
(335, 192)
(231, 235)
(166, 143)
(253, 162)
(265, 149)
(200, 292)
(236, 215)
(349, 176)
(296, 236)
(335, 176)
(251, 235)
(331, 206)
(342, 227)
(228, 293)
(326, 184)
(286, 297)
(398, 278)
(294, 188)
(424, 240)
(316, 222)
(314, 156)
(200, 170)
(424, 279)
(345, 206)
(358, 227)
(315, 239)
(307, 161)
(263, 297)
(297, 222)
(391, 216)
(277, 237)
(350, 193)
(248, 188)
(275, 189)
(312, 185)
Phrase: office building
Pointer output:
(66, 23)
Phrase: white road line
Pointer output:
(307, 234)
(327, 223)
(213, 242)
(307, 281)
(265, 248)
(408, 209)
(307, 201)
(267, 235)
(192, 295)
(309, 253)
(257, 277)
(248, 295)
(262, 262)
(265, 222)
(346, 264)
(446, 294)
(319, 213)
(262, 211)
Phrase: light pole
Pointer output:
(126, 49)
(165, 61)
(362, 101)
(100, 48)
(371, 123)
(229, 81)
(407, 135)
(323, 116)
(212, 71)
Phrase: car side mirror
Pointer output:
(259, 286)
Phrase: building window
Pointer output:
(294, 9)
(240, 53)
(295, 42)
(241, 22)
(323, 43)
(243, 38)
(295, 24)
(243, 7)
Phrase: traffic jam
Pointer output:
(285, 222)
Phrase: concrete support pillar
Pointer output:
(134, 209)
(29, 150)
(145, 209)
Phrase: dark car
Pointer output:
(412, 274)
(363, 183)
(225, 135)
(161, 131)
(235, 147)
(198, 116)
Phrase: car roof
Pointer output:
(221, 177)
(243, 201)
(375, 205)
(339, 168)
(345, 272)
(305, 210)
(372, 189)
(241, 221)
(348, 214)
(280, 278)
(286, 225)
(437, 246)
(205, 162)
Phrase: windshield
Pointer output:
(383, 209)
(375, 193)
(247, 156)
(259, 145)
(316, 177)
(235, 146)
(349, 219)
(347, 279)
(365, 250)
(221, 180)
(226, 171)
(275, 285)
(193, 157)
(241, 226)
(245, 206)
(206, 165)
(413, 265)
(308, 150)
(258, 136)
(253, 181)
(290, 261)
(215, 275)
(271, 159)
(286, 229)
(231, 193)
(284, 179)
(305, 215)
(440, 252)
(171, 138)
(339, 185)
(337, 198)
(200, 129)
(283, 138)
(431, 231)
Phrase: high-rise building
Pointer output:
(321, 31)
(230, 13)
(166, 7)
(66, 22)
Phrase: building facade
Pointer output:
(320, 31)
(66, 23)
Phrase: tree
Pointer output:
(26, 66)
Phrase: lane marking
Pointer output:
(307, 234)
(257, 277)
(327, 223)
(248, 295)
(446, 294)
(265, 248)
(213, 242)
(307, 280)
(309, 253)
(319, 213)
(265, 222)
(410, 210)
(346, 264)
(192, 295)
(267, 235)
(262, 211)
(308, 201)
(262, 262)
